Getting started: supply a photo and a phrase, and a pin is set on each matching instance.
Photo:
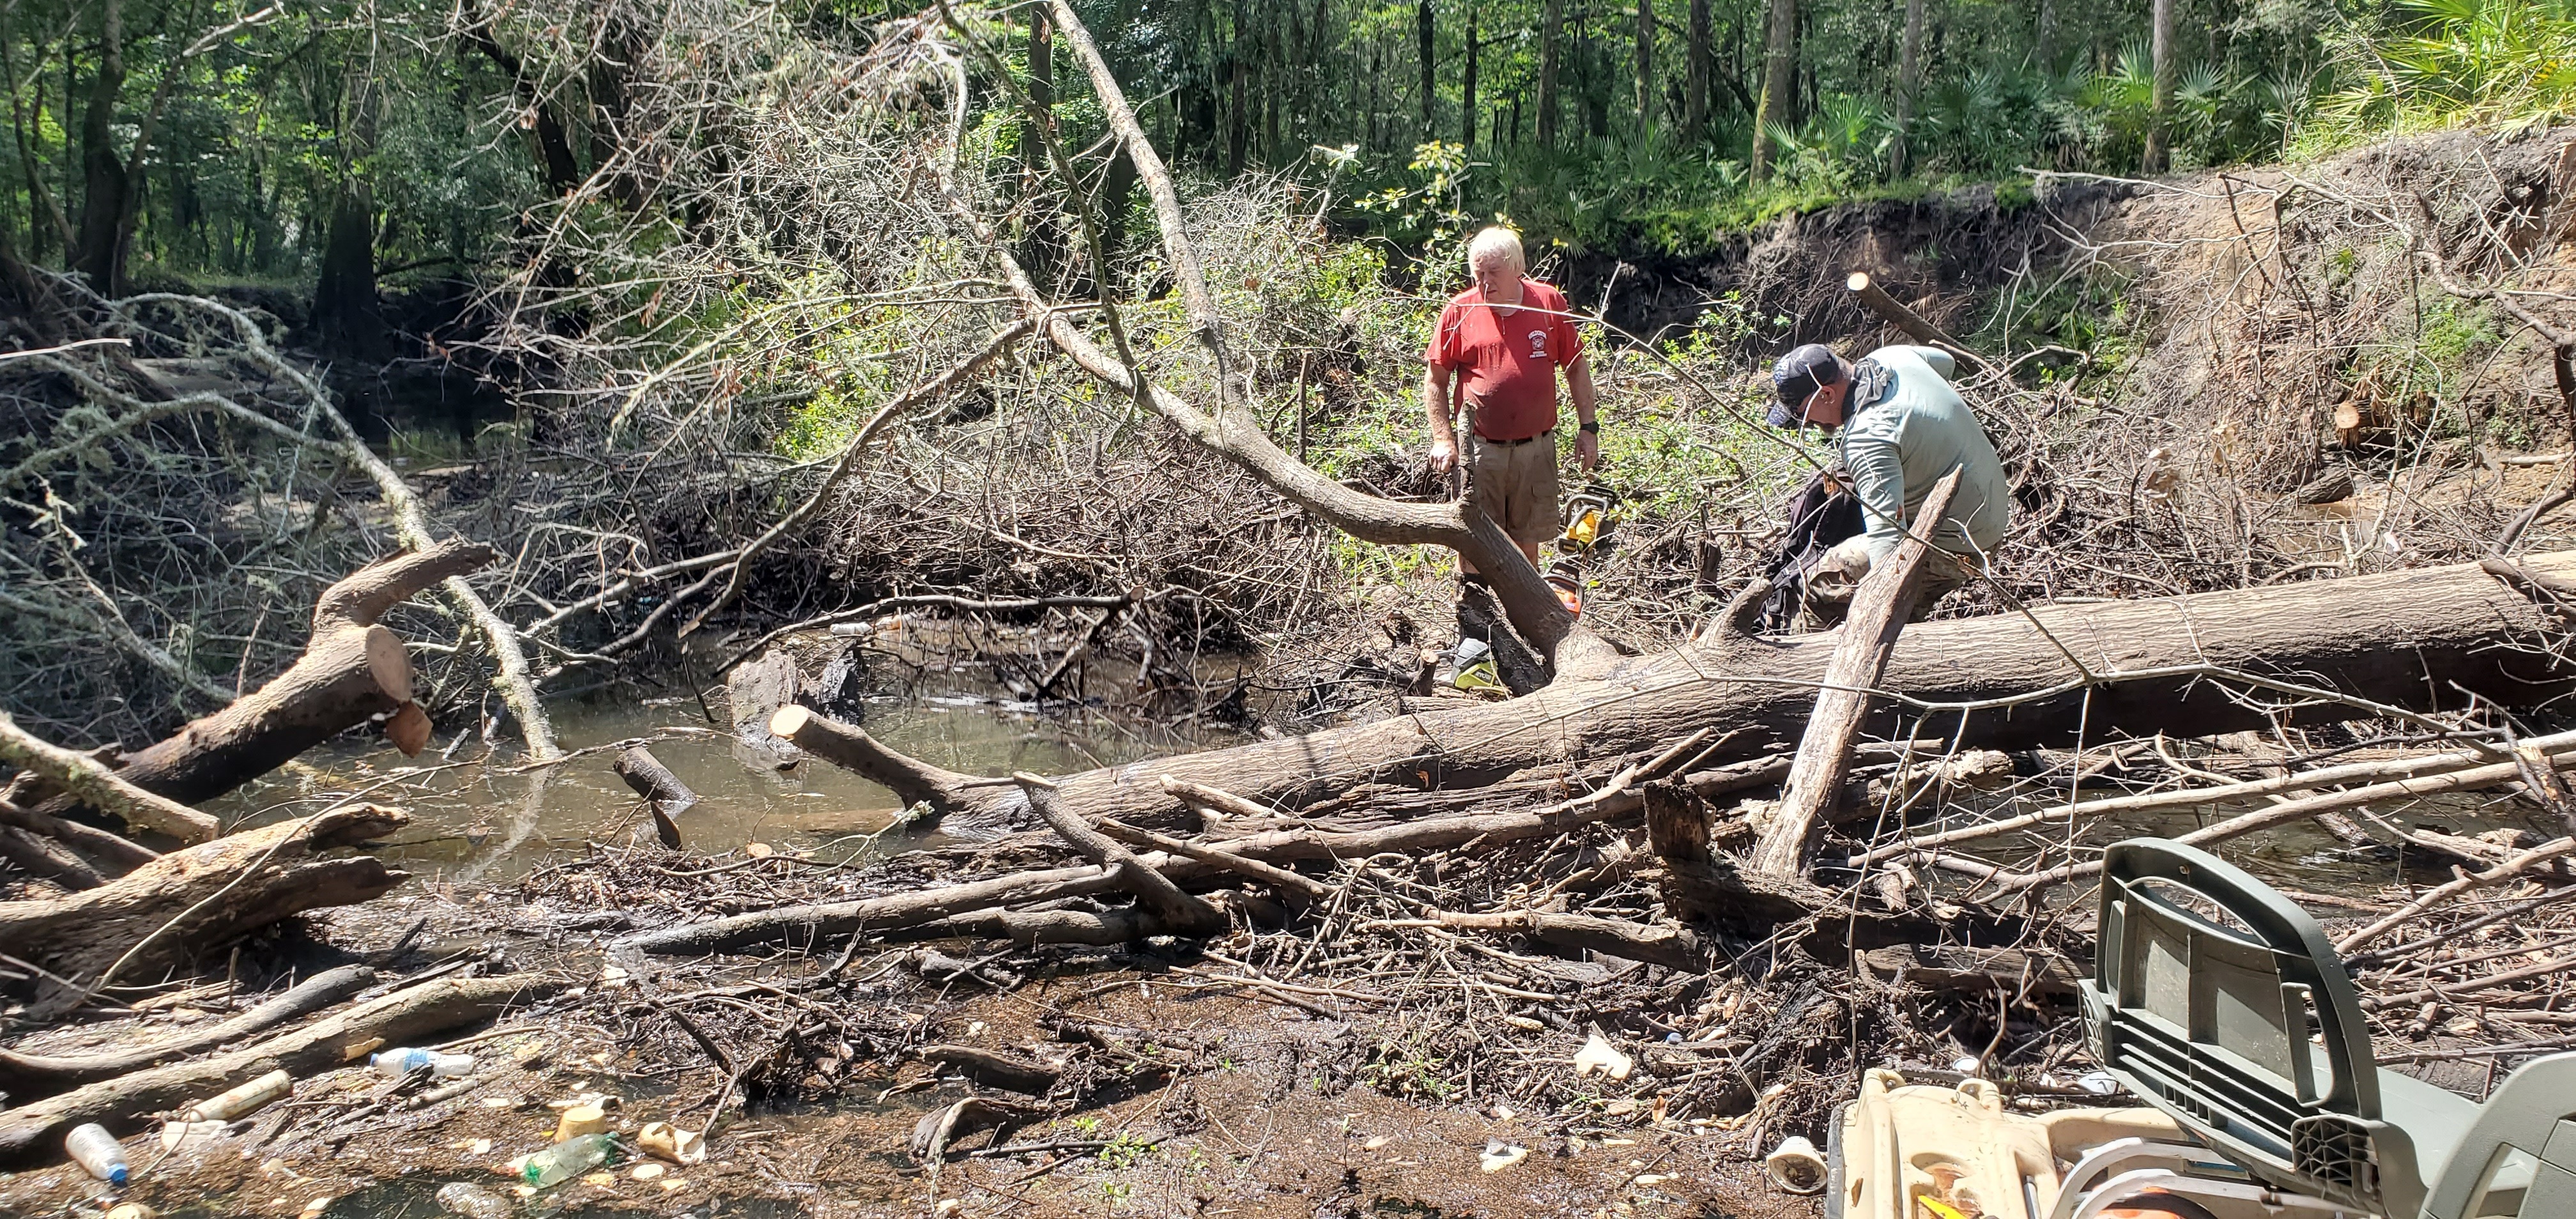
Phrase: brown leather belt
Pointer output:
(1510, 443)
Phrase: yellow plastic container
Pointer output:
(1929, 1152)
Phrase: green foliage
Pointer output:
(1406, 1074)
(2438, 63)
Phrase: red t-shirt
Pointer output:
(1508, 358)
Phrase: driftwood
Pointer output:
(1952, 968)
(1914, 325)
(807, 927)
(664, 795)
(83, 778)
(46, 857)
(2202, 664)
(31, 1135)
(116, 851)
(1155, 892)
(1005, 1071)
(188, 902)
(1672, 947)
(845, 746)
(352, 669)
(978, 907)
(24, 1077)
(1878, 611)
(1250, 869)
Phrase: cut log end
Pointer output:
(408, 729)
(789, 720)
(389, 664)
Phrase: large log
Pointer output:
(352, 669)
(191, 901)
(25, 1077)
(2411, 638)
(32, 1134)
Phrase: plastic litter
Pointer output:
(1601, 1056)
(563, 1161)
(247, 1099)
(1499, 1155)
(471, 1201)
(1795, 1166)
(394, 1064)
(580, 1120)
(94, 1149)
(663, 1141)
(177, 1137)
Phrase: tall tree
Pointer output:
(1703, 65)
(103, 179)
(2160, 104)
(1779, 78)
(1909, 81)
(344, 295)
(1645, 63)
(2043, 37)
(1551, 30)
(1041, 53)
(1427, 34)
(1467, 87)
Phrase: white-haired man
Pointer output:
(1496, 352)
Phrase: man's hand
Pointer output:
(1444, 454)
(1587, 450)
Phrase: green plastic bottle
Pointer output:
(567, 1159)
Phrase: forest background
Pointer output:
(550, 254)
(397, 143)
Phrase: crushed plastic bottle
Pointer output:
(394, 1064)
(471, 1201)
(565, 1160)
(93, 1148)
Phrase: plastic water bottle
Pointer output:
(459, 1198)
(566, 1160)
(394, 1064)
(93, 1148)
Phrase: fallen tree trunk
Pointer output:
(1878, 612)
(82, 777)
(187, 902)
(352, 669)
(25, 1077)
(2203, 664)
(808, 926)
(32, 1135)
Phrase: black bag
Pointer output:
(1823, 513)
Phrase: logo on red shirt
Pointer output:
(1538, 344)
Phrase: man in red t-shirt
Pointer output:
(1501, 342)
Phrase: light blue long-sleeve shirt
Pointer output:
(1906, 441)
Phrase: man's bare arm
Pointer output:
(1442, 408)
(1578, 382)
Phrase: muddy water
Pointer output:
(479, 816)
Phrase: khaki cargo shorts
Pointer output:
(1515, 484)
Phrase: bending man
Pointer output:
(1503, 341)
(1902, 428)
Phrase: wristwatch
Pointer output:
(1593, 427)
